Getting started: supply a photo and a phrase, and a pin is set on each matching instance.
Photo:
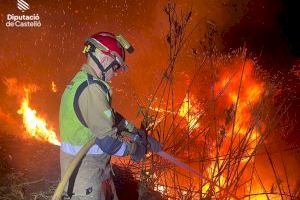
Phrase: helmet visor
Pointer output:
(121, 64)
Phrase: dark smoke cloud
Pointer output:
(270, 31)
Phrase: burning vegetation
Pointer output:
(221, 123)
(34, 125)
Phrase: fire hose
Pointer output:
(177, 162)
(60, 188)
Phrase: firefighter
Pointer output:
(86, 112)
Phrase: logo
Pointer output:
(22, 5)
(23, 21)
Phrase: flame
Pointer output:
(53, 87)
(160, 188)
(35, 125)
(189, 112)
(213, 172)
(249, 95)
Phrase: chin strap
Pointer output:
(101, 67)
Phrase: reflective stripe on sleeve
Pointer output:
(74, 149)
(122, 151)
(94, 150)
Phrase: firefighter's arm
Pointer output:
(98, 116)
(122, 124)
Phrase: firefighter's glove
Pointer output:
(121, 126)
(139, 136)
(151, 143)
(139, 152)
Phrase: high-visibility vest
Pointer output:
(74, 132)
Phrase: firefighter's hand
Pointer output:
(139, 136)
(139, 152)
(151, 143)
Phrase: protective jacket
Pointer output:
(86, 112)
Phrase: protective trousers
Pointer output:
(91, 179)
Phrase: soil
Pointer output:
(29, 169)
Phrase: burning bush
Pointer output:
(220, 125)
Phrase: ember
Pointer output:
(53, 87)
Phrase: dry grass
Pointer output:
(16, 188)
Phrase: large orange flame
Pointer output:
(35, 125)
(240, 95)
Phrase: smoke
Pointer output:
(8, 123)
(14, 88)
(53, 51)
